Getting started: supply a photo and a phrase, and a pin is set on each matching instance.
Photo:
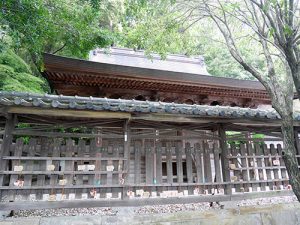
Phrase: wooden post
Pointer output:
(137, 162)
(224, 159)
(169, 163)
(189, 161)
(7, 141)
(149, 163)
(158, 163)
(178, 150)
(198, 159)
(127, 148)
(126, 156)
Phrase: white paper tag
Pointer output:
(18, 168)
(276, 162)
(32, 197)
(19, 183)
(108, 195)
(91, 167)
(185, 192)
(146, 194)
(196, 191)
(84, 196)
(72, 196)
(52, 198)
(130, 194)
(110, 168)
(233, 178)
(232, 166)
(139, 192)
(45, 197)
(81, 167)
(62, 182)
(50, 167)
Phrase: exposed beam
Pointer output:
(68, 113)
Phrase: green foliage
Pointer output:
(67, 27)
(238, 143)
(15, 75)
(11, 59)
(156, 27)
(32, 27)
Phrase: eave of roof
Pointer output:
(65, 65)
(133, 106)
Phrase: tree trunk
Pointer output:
(289, 154)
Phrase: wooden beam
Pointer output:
(68, 112)
(201, 119)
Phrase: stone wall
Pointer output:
(287, 214)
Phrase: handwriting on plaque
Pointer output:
(130, 194)
(110, 168)
(139, 192)
(91, 167)
(81, 167)
(276, 162)
(86, 167)
(52, 198)
(232, 166)
(19, 183)
(62, 182)
(18, 168)
(233, 178)
(146, 194)
(51, 167)
(108, 195)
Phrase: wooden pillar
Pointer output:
(178, 150)
(137, 162)
(127, 157)
(7, 141)
(169, 163)
(158, 163)
(198, 161)
(189, 161)
(224, 159)
(127, 148)
(149, 162)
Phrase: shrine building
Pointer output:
(125, 129)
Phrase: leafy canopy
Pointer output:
(15, 75)
(67, 27)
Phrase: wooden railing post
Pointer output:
(7, 141)
(224, 159)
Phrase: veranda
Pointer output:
(57, 150)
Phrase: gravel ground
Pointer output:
(65, 212)
(156, 209)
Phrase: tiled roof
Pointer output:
(134, 106)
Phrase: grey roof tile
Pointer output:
(105, 104)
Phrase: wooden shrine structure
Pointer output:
(59, 149)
